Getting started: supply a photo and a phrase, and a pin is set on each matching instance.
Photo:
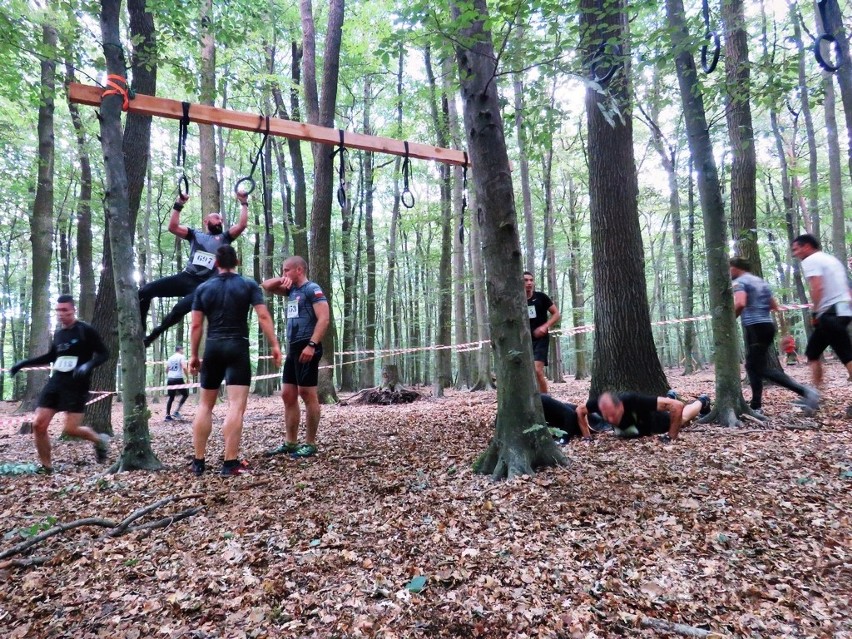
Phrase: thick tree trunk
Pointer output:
(622, 317)
(834, 25)
(137, 453)
(136, 150)
(517, 448)
(41, 222)
(321, 112)
(729, 400)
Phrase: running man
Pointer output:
(176, 374)
(225, 300)
(307, 321)
(538, 307)
(201, 266)
(75, 352)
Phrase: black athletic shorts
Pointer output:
(226, 359)
(295, 372)
(660, 423)
(62, 393)
(173, 392)
(830, 331)
(541, 347)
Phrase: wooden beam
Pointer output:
(165, 108)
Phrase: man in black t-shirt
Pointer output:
(75, 352)
(225, 300)
(538, 307)
(202, 247)
(635, 415)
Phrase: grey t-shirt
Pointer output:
(758, 299)
(301, 318)
(202, 251)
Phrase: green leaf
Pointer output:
(417, 584)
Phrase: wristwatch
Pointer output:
(312, 344)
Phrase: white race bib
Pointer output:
(531, 311)
(204, 259)
(65, 364)
(292, 310)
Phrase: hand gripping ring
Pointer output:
(239, 183)
(183, 186)
(827, 37)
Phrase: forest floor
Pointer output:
(388, 533)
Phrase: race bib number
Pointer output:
(531, 312)
(292, 310)
(65, 364)
(204, 259)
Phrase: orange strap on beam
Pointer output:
(202, 114)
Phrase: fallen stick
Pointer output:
(679, 628)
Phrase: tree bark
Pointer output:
(622, 316)
(443, 356)
(517, 448)
(41, 222)
(368, 369)
(321, 112)
(137, 453)
(211, 201)
(834, 25)
(729, 400)
(526, 195)
(575, 282)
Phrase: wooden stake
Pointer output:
(165, 108)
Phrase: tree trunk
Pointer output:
(443, 356)
(729, 400)
(41, 222)
(834, 25)
(210, 197)
(460, 294)
(368, 368)
(575, 282)
(555, 365)
(622, 317)
(392, 327)
(526, 195)
(136, 150)
(321, 112)
(482, 374)
(137, 453)
(835, 172)
(86, 297)
(347, 342)
(516, 448)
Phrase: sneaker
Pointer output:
(177, 415)
(44, 470)
(234, 470)
(305, 450)
(705, 404)
(102, 448)
(284, 449)
(671, 394)
(811, 402)
(170, 418)
(758, 411)
(198, 467)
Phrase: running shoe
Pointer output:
(234, 470)
(44, 470)
(811, 402)
(170, 418)
(198, 467)
(284, 449)
(305, 450)
(102, 448)
(705, 404)
(177, 415)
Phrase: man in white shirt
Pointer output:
(831, 304)
(176, 372)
